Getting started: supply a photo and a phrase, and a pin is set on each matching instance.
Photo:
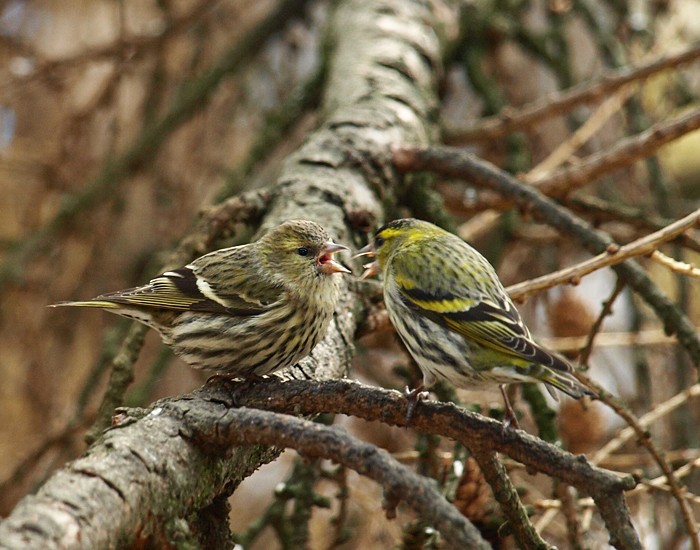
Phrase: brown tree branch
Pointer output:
(218, 427)
(506, 495)
(640, 247)
(597, 325)
(144, 472)
(627, 151)
(644, 438)
(479, 434)
(510, 119)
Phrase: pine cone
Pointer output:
(569, 315)
(473, 496)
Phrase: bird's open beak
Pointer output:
(365, 251)
(326, 263)
(370, 268)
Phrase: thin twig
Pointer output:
(507, 496)
(654, 337)
(613, 255)
(674, 265)
(646, 486)
(569, 509)
(626, 152)
(510, 119)
(661, 410)
(605, 311)
(121, 376)
(638, 218)
(644, 439)
(565, 151)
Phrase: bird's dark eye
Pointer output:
(303, 251)
(379, 241)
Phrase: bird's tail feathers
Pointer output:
(89, 303)
(566, 383)
(142, 315)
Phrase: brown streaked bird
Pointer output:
(244, 311)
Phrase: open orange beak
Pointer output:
(326, 263)
(371, 268)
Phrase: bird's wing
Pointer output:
(493, 323)
(185, 290)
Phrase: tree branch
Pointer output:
(479, 434)
(507, 497)
(510, 120)
(219, 427)
(625, 152)
(144, 470)
(614, 255)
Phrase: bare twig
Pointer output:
(613, 255)
(639, 218)
(644, 439)
(507, 496)
(549, 504)
(646, 486)
(120, 378)
(674, 265)
(595, 122)
(661, 410)
(606, 339)
(658, 484)
(510, 119)
(569, 509)
(598, 324)
(627, 151)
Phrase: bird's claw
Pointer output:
(509, 418)
(510, 421)
(240, 384)
(413, 397)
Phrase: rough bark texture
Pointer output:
(142, 474)
(480, 435)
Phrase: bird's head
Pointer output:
(300, 251)
(392, 238)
